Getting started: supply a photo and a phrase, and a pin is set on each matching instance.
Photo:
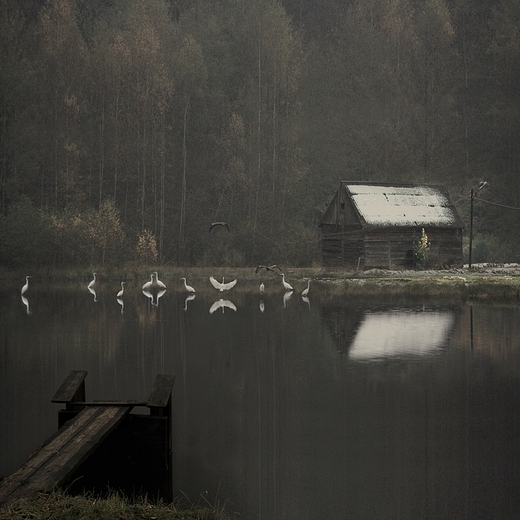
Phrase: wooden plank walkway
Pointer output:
(49, 466)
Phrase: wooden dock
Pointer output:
(101, 444)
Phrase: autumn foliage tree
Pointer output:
(147, 247)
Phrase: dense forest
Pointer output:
(128, 126)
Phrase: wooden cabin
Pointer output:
(372, 225)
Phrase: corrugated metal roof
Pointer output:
(380, 205)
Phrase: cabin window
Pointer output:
(342, 205)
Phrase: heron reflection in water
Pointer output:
(23, 291)
(188, 299)
(154, 296)
(262, 306)
(148, 294)
(92, 291)
(92, 286)
(286, 298)
(222, 304)
(25, 301)
(159, 295)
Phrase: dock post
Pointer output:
(137, 457)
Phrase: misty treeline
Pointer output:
(128, 126)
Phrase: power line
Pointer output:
(461, 199)
(496, 204)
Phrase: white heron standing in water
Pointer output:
(288, 286)
(305, 292)
(26, 286)
(222, 286)
(188, 288)
(93, 282)
(159, 283)
(262, 288)
(148, 285)
(122, 291)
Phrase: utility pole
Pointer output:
(472, 197)
(471, 226)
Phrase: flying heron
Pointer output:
(267, 268)
(215, 224)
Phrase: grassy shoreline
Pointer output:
(58, 505)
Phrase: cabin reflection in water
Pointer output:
(371, 335)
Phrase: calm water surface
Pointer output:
(331, 408)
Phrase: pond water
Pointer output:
(283, 408)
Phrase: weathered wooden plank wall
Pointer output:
(387, 248)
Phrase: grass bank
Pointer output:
(60, 506)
